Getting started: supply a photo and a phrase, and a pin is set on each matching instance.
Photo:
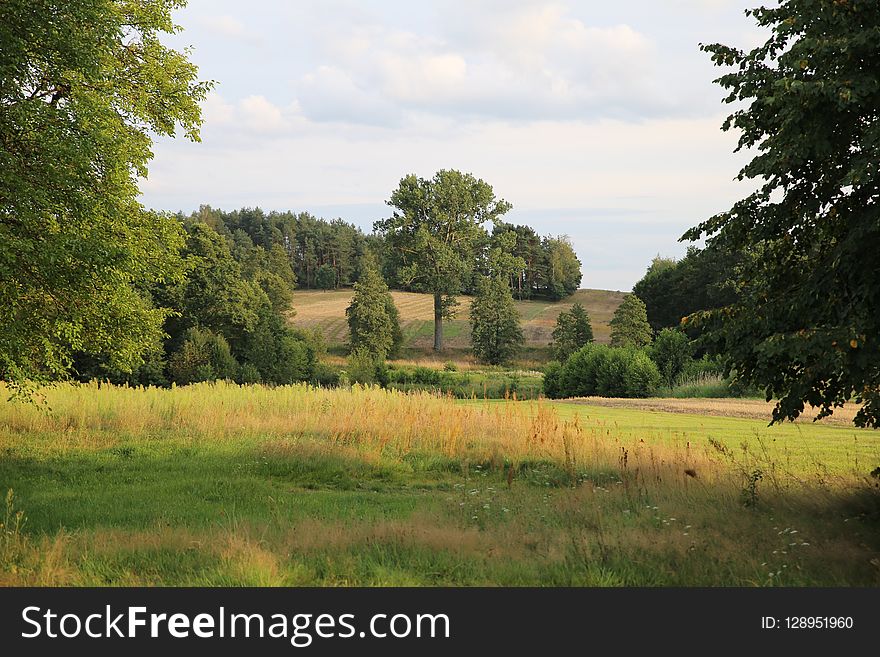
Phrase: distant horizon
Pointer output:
(597, 122)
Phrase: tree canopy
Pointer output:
(673, 289)
(84, 84)
(435, 233)
(806, 323)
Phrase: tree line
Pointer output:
(325, 254)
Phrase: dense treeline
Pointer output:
(226, 319)
(325, 254)
(551, 269)
(673, 289)
(322, 254)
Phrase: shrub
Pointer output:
(203, 356)
(553, 387)
(602, 371)
(671, 352)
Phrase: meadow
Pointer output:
(324, 311)
(216, 484)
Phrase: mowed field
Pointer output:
(217, 484)
(325, 312)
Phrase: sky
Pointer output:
(595, 120)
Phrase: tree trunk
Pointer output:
(438, 323)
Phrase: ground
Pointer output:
(325, 311)
(227, 485)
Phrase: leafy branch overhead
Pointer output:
(806, 322)
(83, 87)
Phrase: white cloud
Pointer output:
(530, 62)
(230, 27)
(260, 115)
(254, 115)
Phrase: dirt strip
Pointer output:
(756, 409)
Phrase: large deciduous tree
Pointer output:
(83, 86)
(434, 234)
(806, 324)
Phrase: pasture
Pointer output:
(324, 311)
(216, 484)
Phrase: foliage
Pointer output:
(203, 356)
(563, 268)
(573, 330)
(365, 368)
(673, 289)
(806, 322)
(373, 320)
(496, 334)
(493, 383)
(83, 86)
(325, 277)
(629, 325)
(603, 371)
(217, 296)
(434, 234)
(549, 267)
(553, 386)
(671, 352)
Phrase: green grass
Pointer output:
(221, 485)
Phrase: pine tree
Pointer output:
(573, 330)
(372, 317)
(495, 323)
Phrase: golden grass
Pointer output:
(624, 501)
(367, 421)
(325, 311)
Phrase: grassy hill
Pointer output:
(325, 312)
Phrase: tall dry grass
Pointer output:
(369, 421)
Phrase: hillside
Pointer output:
(325, 311)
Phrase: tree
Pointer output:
(325, 277)
(434, 233)
(83, 86)
(674, 289)
(203, 356)
(573, 330)
(373, 326)
(671, 351)
(495, 323)
(563, 268)
(806, 325)
(629, 325)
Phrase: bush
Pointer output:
(248, 373)
(602, 371)
(325, 376)
(671, 352)
(203, 356)
(553, 380)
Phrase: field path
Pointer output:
(754, 409)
